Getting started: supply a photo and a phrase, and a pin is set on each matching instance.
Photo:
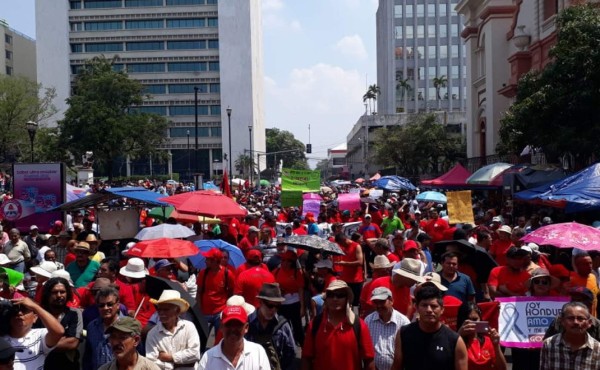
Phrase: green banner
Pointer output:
(303, 180)
(291, 198)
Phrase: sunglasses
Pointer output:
(107, 304)
(541, 282)
(271, 305)
(338, 295)
(19, 308)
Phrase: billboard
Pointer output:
(37, 187)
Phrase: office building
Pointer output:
(18, 53)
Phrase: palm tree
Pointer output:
(371, 95)
(404, 87)
(438, 83)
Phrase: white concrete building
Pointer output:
(17, 56)
(173, 47)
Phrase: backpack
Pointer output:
(356, 326)
(267, 342)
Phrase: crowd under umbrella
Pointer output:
(163, 248)
(566, 235)
(164, 231)
(236, 257)
(474, 255)
(432, 196)
(314, 243)
(206, 203)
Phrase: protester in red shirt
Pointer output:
(436, 226)
(109, 268)
(352, 263)
(369, 229)
(134, 273)
(291, 281)
(501, 245)
(249, 282)
(215, 285)
(333, 343)
(382, 267)
(510, 280)
(250, 240)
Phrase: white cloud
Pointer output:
(352, 46)
(327, 97)
(272, 5)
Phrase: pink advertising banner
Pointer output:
(37, 187)
(350, 201)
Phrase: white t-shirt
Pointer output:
(253, 358)
(34, 350)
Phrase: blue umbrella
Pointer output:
(394, 183)
(236, 257)
(431, 196)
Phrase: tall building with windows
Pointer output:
(420, 57)
(183, 51)
(17, 56)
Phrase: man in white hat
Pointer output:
(383, 325)
(173, 342)
(134, 274)
(382, 267)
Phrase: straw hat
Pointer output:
(435, 279)
(171, 296)
(381, 262)
(409, 268)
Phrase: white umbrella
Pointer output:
(483, 175)
(164, 231)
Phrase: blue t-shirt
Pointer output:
(461, 288)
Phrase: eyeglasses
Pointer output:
(541, 282)
(338, 295)
(106, 304)
(271, 305)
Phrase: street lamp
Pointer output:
(229, 130)
(31, 130)
(196, 125)
(251, 155)
(189, 171)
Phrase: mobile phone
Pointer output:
(482, 327)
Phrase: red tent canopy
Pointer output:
(455, 177)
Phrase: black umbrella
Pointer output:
(314, 243)
(155, 286)
(473, 255)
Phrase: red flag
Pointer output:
(225, 188)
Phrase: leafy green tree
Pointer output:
(21, 100)
(280, 140)
(103, 117)
(558, 109)
(419, 147)
(371, 96)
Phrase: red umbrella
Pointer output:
(206, 203)
(163, 248)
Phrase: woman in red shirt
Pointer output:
(483, 348)
(291, 281)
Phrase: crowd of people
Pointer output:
(406, 294)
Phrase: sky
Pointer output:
(319, 57)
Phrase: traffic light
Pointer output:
(308, 148)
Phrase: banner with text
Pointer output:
(304, 180)
(523, 321)
(460, 207)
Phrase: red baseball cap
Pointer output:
(410, 245)
(213, 253)
(253, 254)
(234, 313)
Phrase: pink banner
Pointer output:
(315, 196)
(350, 201)
(311, 205)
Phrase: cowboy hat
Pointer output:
(409, 268)
(381, 262)
(435, 279)
(171, 296)
(270, 292)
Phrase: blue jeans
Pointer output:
(214, 321)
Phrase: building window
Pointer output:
(151, 109)
(118, 67)
(431, 10)
(420, 52)
(443, 10)
(216, 132)
(103, 26)
(454, 72)
(454, 51)
(145, 45)
(185, 2)
(409, 11)
(431, 52)
(9, 71)
(398, 32)
(8, 54)
(212, 2)
(8, 39)
(443, 30)
(397, 11)
(454, 28)
(186, 23)
(186, 45)
(145, 67)
(409, 32)
(421, 73)
(213, 66)
(75, 4)
(155, 89)
(215, 110)
(431, 30)
(443, 51)
(431, 72)
(215, 88)
(76, 48)
(187, 110)
(420, 31)
(213, 44)
(550, 8)
(76, 26)
(102, 47)
(151, 23)
(186, 66)
(183, 131)
(187, 88)
(135, 3)
(213, 22)
(76, 68)
(95, 4)
(420, 10)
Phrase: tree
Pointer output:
(244, 165)
(323, 166)
(371, 96)
(421, 146)
(281, 140)
(404, 87)
(558, 109)
(21, 100)
(438, 83)
(103, 117)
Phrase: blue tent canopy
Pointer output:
(137, 194)
(394, 183)
(576, 193)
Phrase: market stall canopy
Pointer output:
(136, 194)
(526, 176)
(576, 193)
(456, 177)
(485, 174)
(394, 183)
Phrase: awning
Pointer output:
(136, 194)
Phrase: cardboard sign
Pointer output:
(460, 207)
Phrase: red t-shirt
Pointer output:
(337, 347)
(147, 309)
(401, 295)
(481, 356)
(214, 290)
(290, 280)
(435, 229)
(393, 258)
(301, 230)
(245, 266)
(246, 244)
(514, 281)
(249, 282)
(498, 250)
(369, 231)
(351, 274)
